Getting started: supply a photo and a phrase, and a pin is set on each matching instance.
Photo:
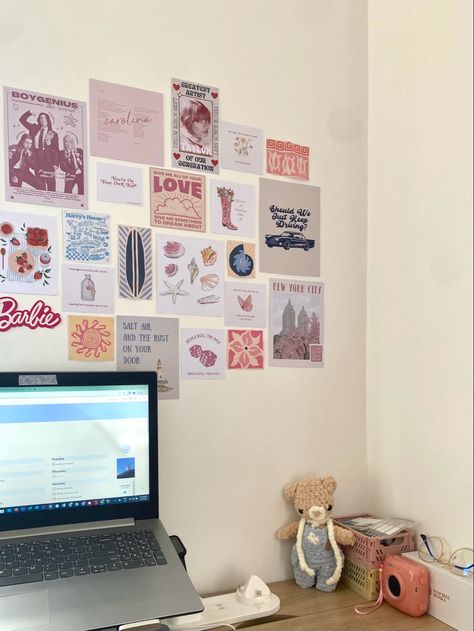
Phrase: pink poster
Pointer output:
(287, 159)
(177, 200)
(244, 349)
(126, 123)
(45, 149)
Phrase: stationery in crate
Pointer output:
(363, 559)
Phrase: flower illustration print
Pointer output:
(91, 339)
(245, 349)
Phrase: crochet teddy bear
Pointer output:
(316, 557)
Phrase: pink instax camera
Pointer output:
(405, 584)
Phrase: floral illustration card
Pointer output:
(232, 208)
(195, 126)
(289, 228)
(86, 236)
(177, 200)
(245, 305)
(126, 123)
(244, 349)
(203, 353)
(135, 263)
(296, 323)
(149, 343)
(241, 148)
(88, 289)
(190, 275)
(287, 159)
(91, 338)
(241, 259)
(119, 184)
(28, 254)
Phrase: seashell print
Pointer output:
(174, 249)
(240, 262)
(209, 256)
(207, 300)
(171, 269)
(193, 270)
(209, 282)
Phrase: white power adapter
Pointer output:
(251, 600)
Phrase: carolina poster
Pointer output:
(151, 344)
(177, 200)
(126, 123)
(296, 323)
(45, 149)
(195, 126)
(289, 228)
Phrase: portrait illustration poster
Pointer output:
(126, 123)
(177, 200)
(149, 343)
(296, 323)
(45, 149)
(289, 235)
(195, 126)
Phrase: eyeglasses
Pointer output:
(434, 549)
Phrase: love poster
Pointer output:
(150, 344)
(190, 275)
(45, 149)
(296, 323)
(28, 254)
(289, 228)
(126, 123)
(177, 200)
(203, 353)
(195, 126)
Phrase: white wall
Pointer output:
(419, 263)
(299, 70)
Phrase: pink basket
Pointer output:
(369, 552)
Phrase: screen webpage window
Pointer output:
(70, 447)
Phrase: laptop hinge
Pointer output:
(66, 528)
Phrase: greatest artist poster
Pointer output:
(45, 149)
(195, 126)
(151, 344)
(126, 123)
(289, 228)
(296, 323)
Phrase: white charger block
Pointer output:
(450, 595)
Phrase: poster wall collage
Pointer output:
(46, 163)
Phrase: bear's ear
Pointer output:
(289, 492)
(329, 483)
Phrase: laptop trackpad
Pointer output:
(22, 612)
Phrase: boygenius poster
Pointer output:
(195, 126)
(296, 323)
(45, 149)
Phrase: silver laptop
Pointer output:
(81, 545)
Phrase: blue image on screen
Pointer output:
(125, 468)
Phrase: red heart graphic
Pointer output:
(176, 86)
(214, 95)
(214, 162)
(177, 156)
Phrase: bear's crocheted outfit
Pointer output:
(319, 556)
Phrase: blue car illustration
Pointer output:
(289, 239)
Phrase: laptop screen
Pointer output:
(74, 448)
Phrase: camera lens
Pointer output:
(394, 585)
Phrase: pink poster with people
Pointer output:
(45, 149)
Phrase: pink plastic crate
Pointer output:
(369, 552)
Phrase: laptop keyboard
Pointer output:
(62, 558)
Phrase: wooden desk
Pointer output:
(312, 610)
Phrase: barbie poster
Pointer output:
(45, 149)
(195, 126)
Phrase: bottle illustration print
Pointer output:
(87, 288)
